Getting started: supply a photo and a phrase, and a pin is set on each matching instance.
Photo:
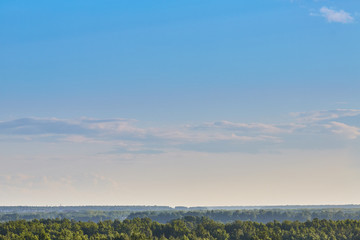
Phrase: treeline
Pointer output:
(225, 216)
(188, 228)
(130, 208)
(32, 209)
(94, 216)
(262, 216)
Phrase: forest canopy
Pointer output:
(187, 228)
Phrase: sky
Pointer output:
(190, 103)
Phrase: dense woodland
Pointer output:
(262, 216)
(187, 228)
(36, 223)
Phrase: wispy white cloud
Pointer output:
(339, 16)
(343, 129)
(317, 9)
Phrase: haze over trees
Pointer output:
(164, 214)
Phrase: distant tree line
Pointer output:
(262, 216)
(130, 208)
(94, 216)
(187, 228)
(224, 216)
(32, 209)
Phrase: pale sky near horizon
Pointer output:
(189, 103)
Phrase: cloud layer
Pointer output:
(126, 137)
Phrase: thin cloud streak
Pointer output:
(318, 116)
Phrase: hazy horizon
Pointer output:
(179, 103)
(220, 207)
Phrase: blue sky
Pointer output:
(91, 89)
